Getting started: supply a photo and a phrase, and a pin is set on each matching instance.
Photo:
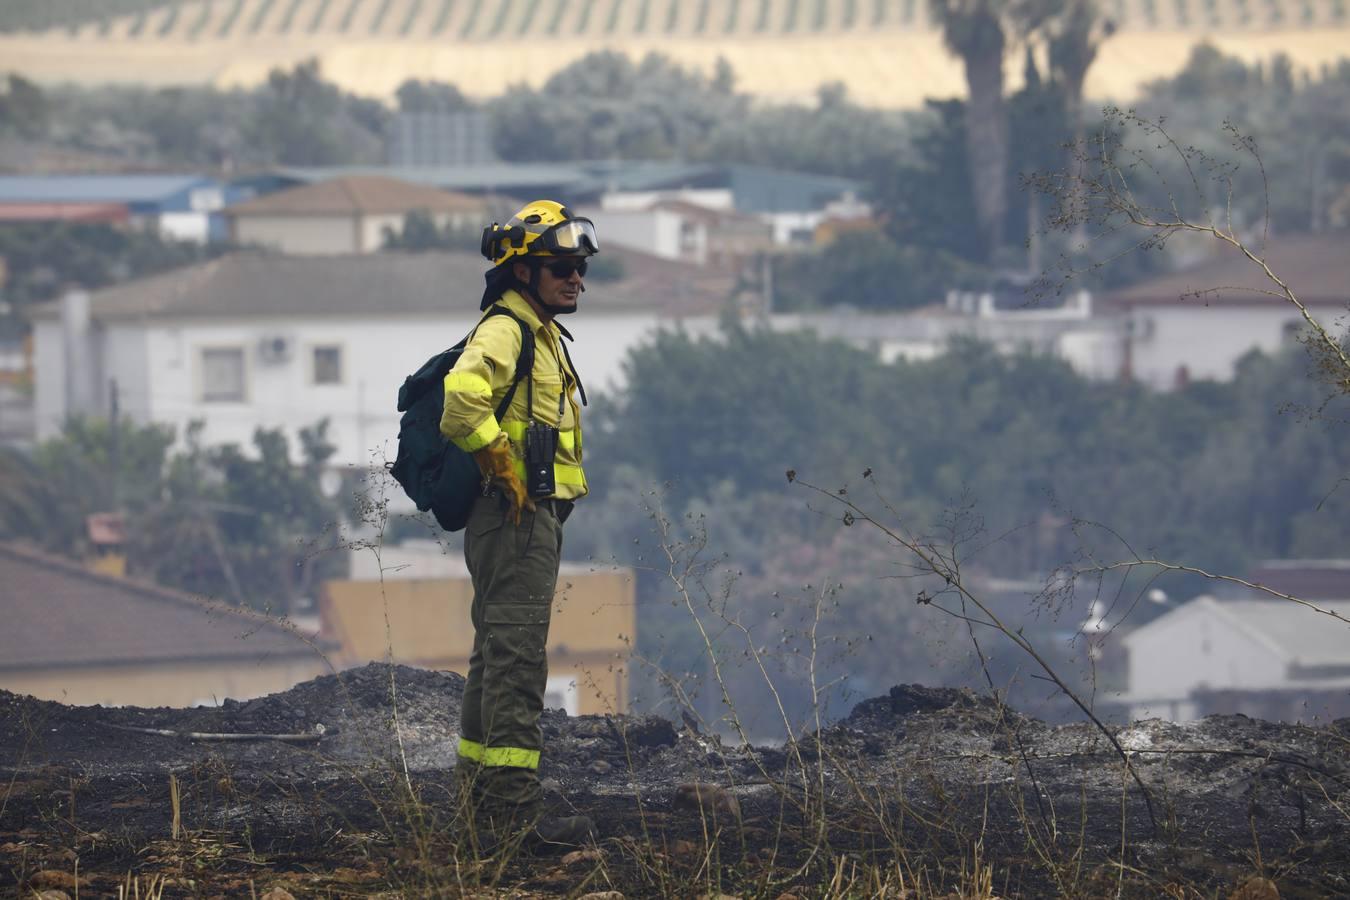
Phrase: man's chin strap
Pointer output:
(533, 287)
(558, 310)
(533, 290)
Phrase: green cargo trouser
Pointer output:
(514, 569)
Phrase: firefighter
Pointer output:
(531, 463)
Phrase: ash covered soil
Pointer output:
(923, 789)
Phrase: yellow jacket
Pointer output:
(482, 376)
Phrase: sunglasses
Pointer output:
(564, 268)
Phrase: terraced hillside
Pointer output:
(887, 51)
(37, 15)
(506, 20)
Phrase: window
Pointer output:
(223, 375)
(688, 236)
(206, 200)
(561, 693)
(327, 365)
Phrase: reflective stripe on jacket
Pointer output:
(481, 378)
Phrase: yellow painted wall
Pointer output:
(425, 622)
(168, 684)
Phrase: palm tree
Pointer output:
(979, 31)
(974, 31)
(1074, 37)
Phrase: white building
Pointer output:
(1197, 323)
(684, 230)
(1247, 655)
(791, 205)
(348, 214)
(256, 340)
(1070, 331)
(1163, 332)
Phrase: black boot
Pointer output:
(558, 834)
(525, 830)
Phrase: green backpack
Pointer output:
(435, 473)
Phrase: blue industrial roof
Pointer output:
(757, 189)
(470, 177)
(95, 188)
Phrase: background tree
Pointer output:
(1073, 38)
(306, 121)
(420, 234)
(975, 31)
(296, 118)
(1013, 449)
(253, 528)
(604, 106)
(250, 528)
(1023, 435)
(833, 137)
(23, 108)
(980, 33)
(1298, 122)
(928, 201)
(868, 270)
(1121, 183)
(431, 96)
(91, 468)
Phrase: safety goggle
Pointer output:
(566, 238)
(572, 236)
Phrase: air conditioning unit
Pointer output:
(275, 349)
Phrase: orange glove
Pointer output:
(496, 463)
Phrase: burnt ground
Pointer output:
(928, 790)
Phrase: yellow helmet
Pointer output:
(541, 228)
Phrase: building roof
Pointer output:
(706, 215)
(357, 194)
(480, 178)
(607, 176)
(95, 188)
(1300, 635)
(1308, 579)
(754, 189)
(757, 189)
(58, 613)
(63, 212)
(251, 285)
(1315, 266)
(1295, 634)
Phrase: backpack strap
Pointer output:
(524, 361)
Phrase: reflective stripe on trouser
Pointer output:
(514, 569)
(498, 756)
